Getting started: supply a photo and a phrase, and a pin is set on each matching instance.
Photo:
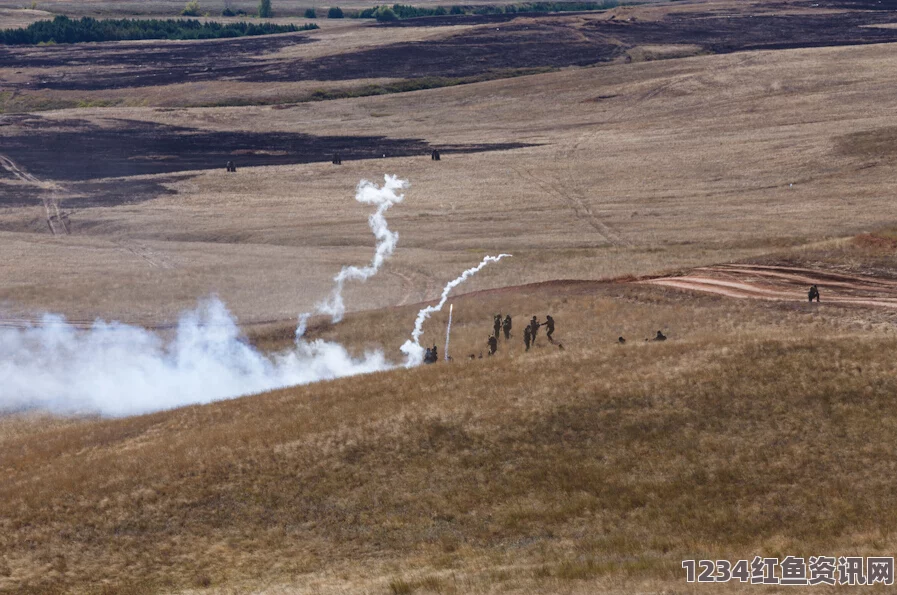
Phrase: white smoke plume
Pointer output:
(116, 369)
(384, 197)
(448, 333)
(412, 349)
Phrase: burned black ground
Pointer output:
(82, 154)
(514, 42)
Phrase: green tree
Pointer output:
(310, 13)
(334, 13)
(265, 11)
(385, 14)
(192, 9)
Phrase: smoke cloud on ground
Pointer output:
(115, 369)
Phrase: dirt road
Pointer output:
(784, 283)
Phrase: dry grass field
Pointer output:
(650, 141)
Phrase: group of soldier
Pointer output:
(530, 331)
(431, 356)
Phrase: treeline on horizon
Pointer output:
(405, 11)
(65, 30)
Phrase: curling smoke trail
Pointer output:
(412, 349)
(384, 197)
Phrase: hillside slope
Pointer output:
(598, 467)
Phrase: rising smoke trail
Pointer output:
(412, 349)
(448, 332)
(384, 197)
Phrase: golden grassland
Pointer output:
(688, 162)
(758, 428)
(755, 428)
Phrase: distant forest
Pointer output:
(65, 30)
(404, 11)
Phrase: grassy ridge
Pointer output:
(554, 471)
(65, 30)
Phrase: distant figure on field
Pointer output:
(434, 155)
(493, 344)
(549, 324)
(428, 356)
(527, 336)
(506, 326)
(813, 294)
(534, 329)
(231, 167)
(621, 340)
(660, 337)
(337, 160)
(435, 354)
(496, 325)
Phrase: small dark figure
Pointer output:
(813, 294)
(561, 346)
(493, 344)
(231, 167)
(472, 356)
(431, 356)
(549, 324)
(434, 154)
(534, 329)
(527, 337)
(621, 340)
(337, 160)
(496, 324)
(506, 326)
(660, 337)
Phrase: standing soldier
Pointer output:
(549, 323)
(527, 336)
(493, 344)
(534, 329)
(813, 294)
(507, 327)
(496, 325)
